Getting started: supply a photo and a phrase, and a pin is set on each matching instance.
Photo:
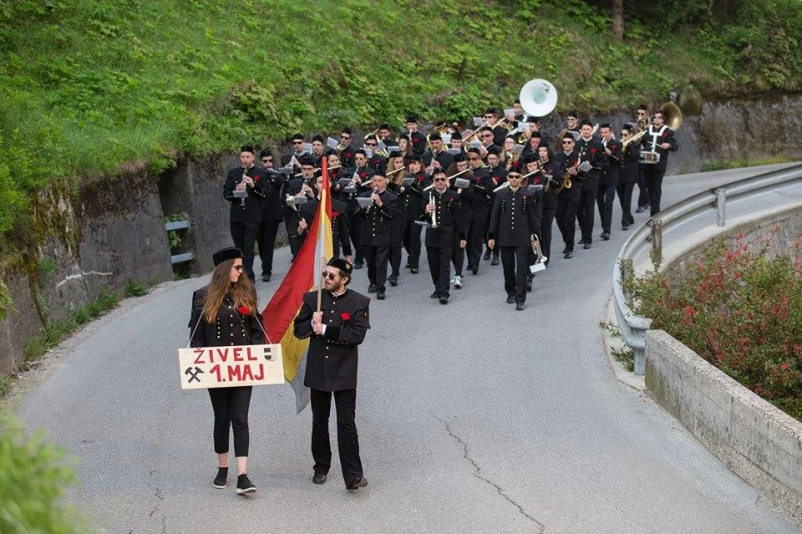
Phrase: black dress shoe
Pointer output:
(565, 250)
(529, 286)
(435, 295)
(569, 255)
(358, 483)
(380, 294)
(358, 265)
(625, 227)
(640, 209)
(474, 269)
(605, 236)
(319, 478)
(520, 306)
(265, 278)
(495, 261)
(487, 255)
(586, 245)
(511, 299)
(393, 281)
(371, 288)
(443, 300)
(413, 270)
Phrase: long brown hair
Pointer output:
(241, 292)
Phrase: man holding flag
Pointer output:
(330, 369)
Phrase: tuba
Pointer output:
(538, 97)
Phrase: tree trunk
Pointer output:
(618, 19)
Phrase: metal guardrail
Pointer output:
(633, 327)
(186, 256)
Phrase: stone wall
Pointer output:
(761, 444)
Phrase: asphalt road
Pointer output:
(473, 418)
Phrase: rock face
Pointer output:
(112, 231)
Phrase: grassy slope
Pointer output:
(90, 85)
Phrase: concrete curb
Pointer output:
(611, 343)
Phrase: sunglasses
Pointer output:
(297, 142)
(330, 276)
(568, 142)
(370, 144)
(440, 179)
(267, 160)
(345, 137)
(513, 177)
(238, 268)
(473, 159)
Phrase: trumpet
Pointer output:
(372, 134)
(434, 212)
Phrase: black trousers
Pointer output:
(643, 189)
(476, 239)
(440, 268)
(291, 223)
(546, 222)
(412, 243)
(230, 407)
(266, 237)
(586, 213)
(515, 262)
(457, 255)
(377, 259)
(654, 181)
(625, 198)
(567, 207)
(354, 227)
(395, 260)
(487, 234)
(347, 438)
(244, 236)
(605, 195)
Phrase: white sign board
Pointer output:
(220, 367)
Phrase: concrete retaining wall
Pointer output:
(760, 443)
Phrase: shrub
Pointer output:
(739, 309)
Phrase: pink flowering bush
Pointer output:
(738, 309)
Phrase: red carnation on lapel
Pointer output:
(243, 310)
(345, 316)
(593, 150)
(334, 214)
(665, 134)
(420, 178)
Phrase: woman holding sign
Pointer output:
(224, 314)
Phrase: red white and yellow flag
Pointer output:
(304, 275)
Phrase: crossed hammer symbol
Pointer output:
(194, 374)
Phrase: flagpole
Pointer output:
(321, 206)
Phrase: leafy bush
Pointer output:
(32, 482)
(738, 309)
(135, 289)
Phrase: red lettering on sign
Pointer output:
(247, 374)
(223, 354)
(199, 359)
(251, 357)
(235, 373)
(215, 371)
(237, 354)
(261, 374)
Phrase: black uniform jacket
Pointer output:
(332, 359)
(566, 161)
(249, 211)
(448, 213)
(230, 327)
(482, 197)
(339, 224)
(273, 205)
(665, 135)
(377, 228)
(593, 152)
(609, 176)
(630, 168)
(515, 218)
(412, 196)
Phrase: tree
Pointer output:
(618, 19)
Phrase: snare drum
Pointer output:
(649, 157)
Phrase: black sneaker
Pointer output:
(244, 485)
(319, 478)
(220, 479)
(358, 483)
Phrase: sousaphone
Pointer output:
(538, 97)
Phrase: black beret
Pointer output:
(247, 148)
(341, 264)
(298, 137)
(307, 159)
(412, 118)
(459, 157)
(228, 253)
(493, 150)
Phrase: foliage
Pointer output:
(6, 302)
(173, 237)
(738, 309)
(622, 353)
(135, 289)
(32, 482)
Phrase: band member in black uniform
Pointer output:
(318, 148)
(377, 230)
(549, 173)
(339, 222)
(660, 139)
(499, 132)
(375, 161)
(404, 145)
(446, 225)
(299, 187)
(396, 163)
(487, 137)
(412, 202)
(386, 135)
(498, 175)
(335, 333)
(567, 198)
(361, 176)
(628, 177)
(298, 150)
(608, 181)
(348, 151)
(591, 150)
(272, 214)
(456, 141)
(244, 188)
(440, 158)
(642, 114)
(417, 139)
(572, 124)
(534, 142)
(478, 207)
(225, 313)
(514, 222)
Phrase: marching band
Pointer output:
(497, 188)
